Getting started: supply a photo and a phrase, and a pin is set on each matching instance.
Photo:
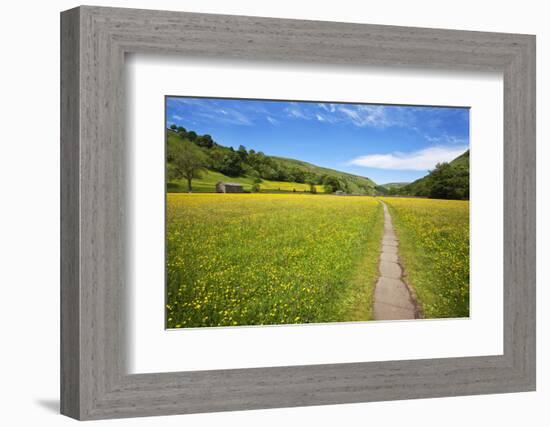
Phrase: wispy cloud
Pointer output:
(205, 109)
(296, 112)
(369, 115)
(446, 139)
(420, 160)
(223, 116)
(327, 107)
(429, 126)
(360, 115)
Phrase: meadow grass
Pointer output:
(434, 248)
(207, 184)
(259, 259)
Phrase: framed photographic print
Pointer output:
(261, 213)
(247, 243)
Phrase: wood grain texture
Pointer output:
(94, 382)
(70, 292)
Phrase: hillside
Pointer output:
(391, 185)
(356, 183)
(259, 172)
(447, 181)
(463, 160)
(255, 170)
(391, 188)
(207, 184)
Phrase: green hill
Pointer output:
(390, 188)
(356, 184)
(391, 185)
(463, 160)
(248, 167)
(447, 181)
(207, 184)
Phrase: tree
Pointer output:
(281, 172)
(242, 152)
(380, 189)
(267, 172)
(394, 191)
(447, 181)
(255, 187)
(173, 127)
(231, 164)
(286, 176)
(187, 161)
(205, 141)
(312, 187)
(298, 175)
(192, 136)
(331, 184)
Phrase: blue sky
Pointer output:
(386, 143)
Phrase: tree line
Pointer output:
(446, 181)
(190, 155)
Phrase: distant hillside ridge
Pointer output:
(447, 181)
(394, 184)
(256, 166)
(359, 180)
(389, 188)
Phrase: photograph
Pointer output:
(286, 212)
(255, 214)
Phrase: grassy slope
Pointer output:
(462, 160)
(308, 167)
(391, 185)
(417, 186)
(207, 184)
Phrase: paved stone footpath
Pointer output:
(392, 300)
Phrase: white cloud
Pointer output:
(360, 115)
(296, 112)
(272, 120)
(224, 116)
(327, 107)
(369, 115)
(424, 159)
(205, 109)
(446, 139)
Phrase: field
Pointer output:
(257, 259)
(207, 184)
(434, 251)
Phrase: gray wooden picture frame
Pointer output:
(94, 381)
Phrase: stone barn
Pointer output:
(229, 187)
